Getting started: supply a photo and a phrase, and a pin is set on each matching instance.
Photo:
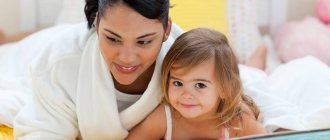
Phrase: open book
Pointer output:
(319, 134)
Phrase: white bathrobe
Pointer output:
(73, 92)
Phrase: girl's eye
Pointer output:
(177, 83)
(200, 85)
(144, 42)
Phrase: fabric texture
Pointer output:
(168, 135)
(15, 81)
(277, 112)
(6, 133)
(304, 83)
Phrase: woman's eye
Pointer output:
(144, 42)
(200, 85)
(177, 83)
(113, 40)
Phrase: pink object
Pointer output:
(302, 38)
(322, 10)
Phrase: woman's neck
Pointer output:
(139, 85)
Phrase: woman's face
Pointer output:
(129, 42)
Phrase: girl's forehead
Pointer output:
(180, 68)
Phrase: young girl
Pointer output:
(203, 93)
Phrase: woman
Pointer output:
(99, 83)
(76, 93)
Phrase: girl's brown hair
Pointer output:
(199, 45)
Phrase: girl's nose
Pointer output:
(187, 94)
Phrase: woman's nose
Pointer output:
(127, 55)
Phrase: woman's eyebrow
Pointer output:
(140, 37)
(115, 34)
(146, 35)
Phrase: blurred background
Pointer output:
(21, 15)
(289, 29)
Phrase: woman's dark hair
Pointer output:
(152, 9)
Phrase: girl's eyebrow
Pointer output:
(196, 80)
(202, 80)
(172, 77)
(140, 37)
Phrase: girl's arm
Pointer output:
(250, 125)
(151, 128)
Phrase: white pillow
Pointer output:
(305, 83)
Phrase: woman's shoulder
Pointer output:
(59, 57)
(60, 44)
(67, 38)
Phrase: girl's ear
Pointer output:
(168, 29)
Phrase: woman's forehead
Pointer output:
(126, 21)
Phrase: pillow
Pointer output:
(189, 14)
(304, 82)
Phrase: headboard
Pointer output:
(36, 14)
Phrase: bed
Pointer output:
(245, 37)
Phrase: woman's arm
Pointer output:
(52, 112)
(152, 128)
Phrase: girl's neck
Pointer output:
(200, 122)
(139, 85)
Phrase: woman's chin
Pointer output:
(123, 81)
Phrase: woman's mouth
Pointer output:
(126, 69)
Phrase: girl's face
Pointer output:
(193, 92)
(129, 42)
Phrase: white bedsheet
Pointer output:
(305, 83)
